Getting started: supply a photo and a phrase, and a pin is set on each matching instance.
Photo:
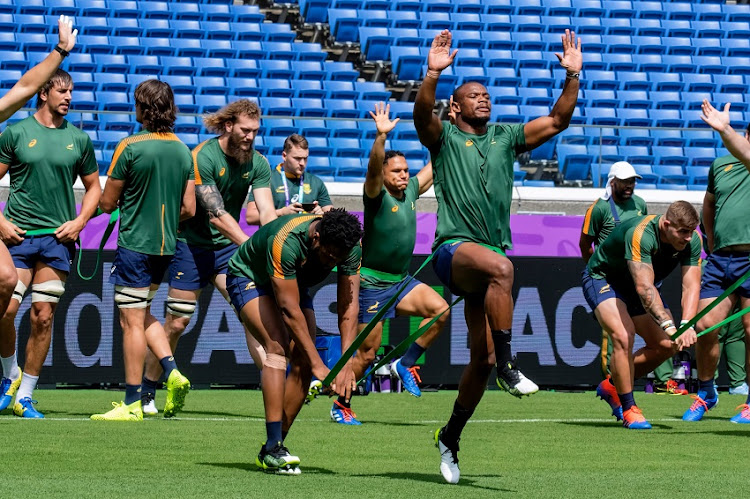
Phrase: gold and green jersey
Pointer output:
(155, 169)
(599, 222)
(312, 188)
(211, 166)
(43, 164)
(729, 182)
(637, 240)
(474, 183)
(390, 234)
(281, 249)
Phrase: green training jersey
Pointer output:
(155, 168)
(281, 249)
(599, 222)
(390, 233)
(43, 164)
(474, 183)
(729, 182)
(211, 166)
(313, 189)
(637, 239)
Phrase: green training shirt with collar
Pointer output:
(729, 182)
(313, 189)
(43, 164)
(599, 222)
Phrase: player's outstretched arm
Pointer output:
(264, 205)
(643, 278)
(209, 197)
(734, 142)
(69, 231)
(110, 196)
(691, 288)
(428, 125)
(540, 130)
(347, 297)
(585, 242)
(37, 76)
(425, 178)
(384, 125)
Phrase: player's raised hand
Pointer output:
(718, 120)
(381, 117)
(67, 35)
(571, 58)
(440, 55)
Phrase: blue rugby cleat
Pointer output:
(700, 406)
(24, 408)
(633, 419)
(8, 388)
(743, 416)
(343, 415)
(408, 376)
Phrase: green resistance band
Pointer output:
(725, 321)
(401, 347)
(710, 306)
(370, 325)
(105, 237)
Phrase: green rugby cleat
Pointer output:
(178, 387)
(121, 412)
(277, 460)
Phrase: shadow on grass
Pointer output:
(390, 423)
(250, 466)
(731, 433)
(218, 414)
(466, 480)
(616, 425)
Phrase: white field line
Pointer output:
(425, 422)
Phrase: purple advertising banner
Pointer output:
(533, 235)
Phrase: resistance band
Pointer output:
(401, 347)
(725, 321)
(370, 325)
(710, 306)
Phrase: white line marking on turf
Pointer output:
(425, 422)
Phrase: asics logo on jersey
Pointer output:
(604, 289)
(32, 143)
(728, 168)
(639, 213)
(469, 143)
(412, 206)
(246, 175)
(222, 172)
(69, 147)
(394, 209)
(249, 286)
(373, 308)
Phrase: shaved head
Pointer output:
(472, 104)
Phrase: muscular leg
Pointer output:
(613, 316)
(41, 322)
(255, 348)
(8, 280)
(707, 347)
(174, 326)
(475, 376)
(8, 321)
(298, 379)
(367, 350)
(132, 322)
(423, 301)
(659, 346)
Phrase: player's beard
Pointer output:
(236, 151)
(475, 122)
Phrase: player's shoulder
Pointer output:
(260, 160)
(724, 161)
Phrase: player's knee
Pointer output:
(502, 272)
(275, 361)
(621, 339)
(368, 355)
(276, 348)
(126, 297)
(181, 308)
(42, 317)
(8, 281)
(47, 292)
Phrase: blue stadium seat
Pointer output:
(669, 156)
(278, 127)
(214, 30)
(574, 135)
(208, 66)
(697, 174)
(668, 138)
(350, 168)
(178, 66)
(636, 137)
(243, 68)
(344, 129)
(320, 165)
(574, 160)
(344, 24)
(309, 52)
(187, 124)
(308, 70)
(276, 106)
(117, 122)
(469, 39)
(187, 12)
(182, 47)
(94, 26)
(247, 88)
(209, 85)
(407, 63)
(310, 89)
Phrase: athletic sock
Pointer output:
(413, 354)
(283, 435)
(627, 400)
(148, 386)
(28, 383)
(273, 434)
(452, 431)
(502, 338)
(168, 364)
(609, 379)
(708, 387)
(132, 394)
(10, 366)
(748, 400)
(344, 403)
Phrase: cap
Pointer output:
(622, 170)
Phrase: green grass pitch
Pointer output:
(548, 445)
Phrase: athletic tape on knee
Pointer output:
(126, 297)
(180, 308)
(49, 291)
(19, 291)
(275, 361)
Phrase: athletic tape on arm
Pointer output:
(370, 325)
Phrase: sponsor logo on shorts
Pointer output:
(112, 270)
(373, 308)
(394, 209)
(179, 274)
(604, 289)
(32, 143)
(250, 285)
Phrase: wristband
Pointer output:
(64, 53)
(432, 73)
(667, 324)
(572, 75)
(683, 322)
